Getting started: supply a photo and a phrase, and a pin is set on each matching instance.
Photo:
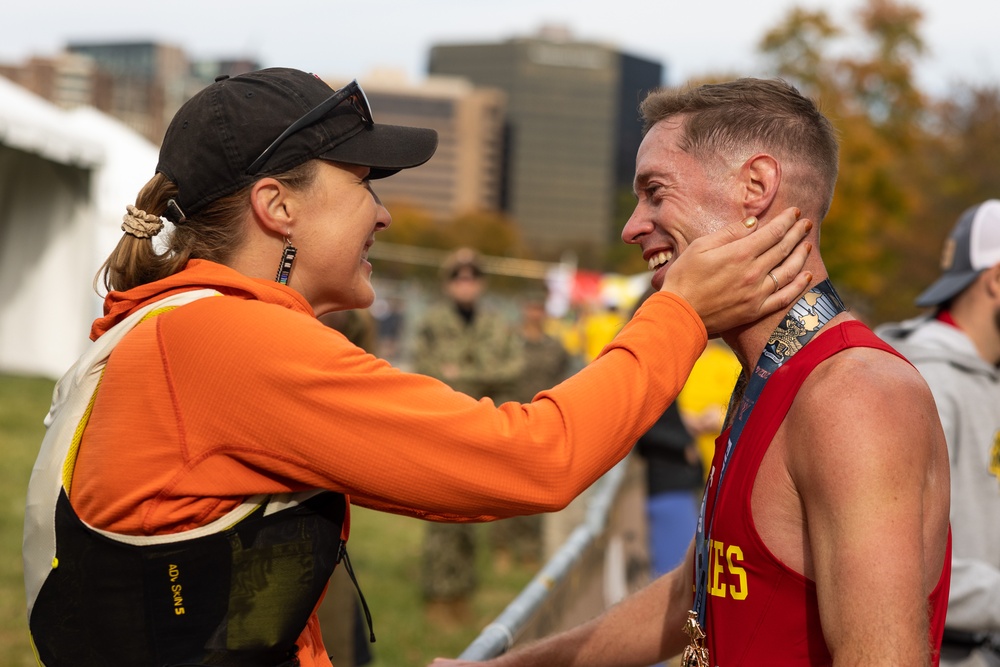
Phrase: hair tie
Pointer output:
(140, 224)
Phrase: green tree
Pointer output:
(957, 168)
(488, 232)
(797, 48)
(872, 99)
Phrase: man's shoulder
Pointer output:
(862, 371)
(862, 406)
(866, 386)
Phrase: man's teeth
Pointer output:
(659, 259)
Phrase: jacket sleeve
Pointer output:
(271, 400)
(974, 599)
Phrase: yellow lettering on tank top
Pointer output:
(718, 567)
(727, 573)
(733, 555)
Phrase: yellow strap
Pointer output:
(74, 449)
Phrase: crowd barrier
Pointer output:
(604, 558)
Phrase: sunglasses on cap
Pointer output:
(351, 94)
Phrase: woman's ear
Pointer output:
(760, 177)
(269, 202)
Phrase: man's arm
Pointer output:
(870, 466)
(642, 629)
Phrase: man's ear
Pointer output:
(760, 177)
(992, 278)
(269, 202)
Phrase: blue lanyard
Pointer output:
(816, 307)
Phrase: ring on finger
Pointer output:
(772, 277)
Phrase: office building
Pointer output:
(140, 83)
(66, 79)
(149, 81)
(572, 131)
(464, 175)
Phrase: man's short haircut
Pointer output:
(742, 117)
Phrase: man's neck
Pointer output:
(748, 341)
(978, 320)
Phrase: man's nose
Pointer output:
(635, 227)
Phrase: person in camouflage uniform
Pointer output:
(474, 350)
(546, 364)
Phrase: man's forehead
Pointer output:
(655, 151)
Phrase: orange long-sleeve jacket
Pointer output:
(247, 393)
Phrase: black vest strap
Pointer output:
(238, 597)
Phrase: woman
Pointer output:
(190, 511)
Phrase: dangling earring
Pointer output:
(287, 258)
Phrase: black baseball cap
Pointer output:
(231, 124)
(972, 246)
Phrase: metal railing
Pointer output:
(601, 560)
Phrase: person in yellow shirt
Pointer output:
(600, 326)
(705, 396)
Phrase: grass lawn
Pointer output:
(384, 551)
(23, 404)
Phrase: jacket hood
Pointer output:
(197, 274)
(925, 339)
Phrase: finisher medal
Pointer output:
(695, 654)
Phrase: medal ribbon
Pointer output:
(816, 307)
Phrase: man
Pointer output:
(823, 536)
(475, 350)
(957, 349)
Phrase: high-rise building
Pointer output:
(465, 173)
(67, 79)
(140, 83)
(150, 81)
(572, 134)
(204, 72)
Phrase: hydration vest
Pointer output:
(237, 591)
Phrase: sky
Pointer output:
(351, 38)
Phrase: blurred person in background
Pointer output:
(475, 350)
(340, 613)
(599, 324)
(674, 476)
(705, 397)
(956, 347)
(546, 363)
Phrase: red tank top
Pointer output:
(759, 612)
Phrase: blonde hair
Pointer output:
(213, 233)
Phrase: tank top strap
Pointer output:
(779, 393)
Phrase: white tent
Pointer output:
(65, 178)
